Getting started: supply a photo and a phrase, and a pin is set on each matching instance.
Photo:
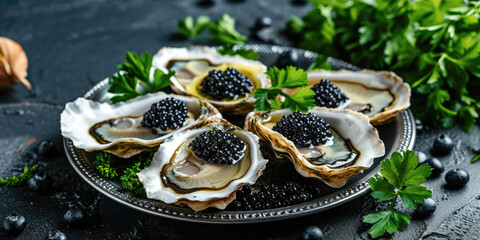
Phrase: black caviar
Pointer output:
(328, 95)
(229, 84)
(303, 129)
(169, 113)
(218, 147)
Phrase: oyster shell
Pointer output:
(354, 146)
(191, 65)
(176, 176)
(379, 95)
(116, 129)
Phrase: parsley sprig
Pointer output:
(105, 165)
(477, 154)
(434, 45)
(133, 80)
(20, 179)
(400, 176)
(290, 77)
(130, 181)
(222, 31)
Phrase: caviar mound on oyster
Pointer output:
(379, 95)
(191, 62)
(227, 82)
(204, 167)
(128, 128)
(327, 144)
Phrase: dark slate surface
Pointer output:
(72, 45)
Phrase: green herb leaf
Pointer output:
(386, 221)
(190, 29)
(224, 32)
(291, 77)
(105, 165)
(381, 189)
(228, 49)
(321, 62)
(401, 172)
(136, 72)
(20, 179)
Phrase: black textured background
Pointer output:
(74, 44)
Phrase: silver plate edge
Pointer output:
(344, 195)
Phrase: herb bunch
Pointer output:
(222, 31)
(133, 80)
(20, 179)
(289, 78)
(400, 176)
(109, 168)
(434, 45)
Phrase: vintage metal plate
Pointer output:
(398, 135)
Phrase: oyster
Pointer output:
(379, 95)
(117, 128)
(354, 145)
(193, 64)
(178, 176)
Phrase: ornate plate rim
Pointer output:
(343, 195)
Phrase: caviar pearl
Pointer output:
(328, 95)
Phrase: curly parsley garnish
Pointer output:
(400, 176)
(20, 179)
(133, 80)
(108, 168)
(290, 77)
(222, 31)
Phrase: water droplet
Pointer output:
(477, 197)
(445, 197)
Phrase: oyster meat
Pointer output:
(379, 95)
(349, 148)
(177, 175)
(118, 129)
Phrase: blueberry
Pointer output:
(56, 235)
(205, 3)
(287, 58)
(443, 145)
(426, 208)
(422, 158)
(457, 178)
(263, 22)
(312, 233)
(39, 182)
(74, 215)
(437, 166)
(46, 148)
(14, 223)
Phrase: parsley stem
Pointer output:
(393, 201)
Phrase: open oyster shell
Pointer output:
(192, 64)
(176, 176)
(379, 95)
(355, 144)
(116, 129)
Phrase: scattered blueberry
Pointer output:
(205, 3)
(437, 166)
(426, 208)
(287, 58)
(443, 145)
(422, 158)
(56, 235)
(39, 182)
(312, 233)
(46, 148)
(74, 215)
(299, 2)
(14, 223)
(457, 178)
(263, 22)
